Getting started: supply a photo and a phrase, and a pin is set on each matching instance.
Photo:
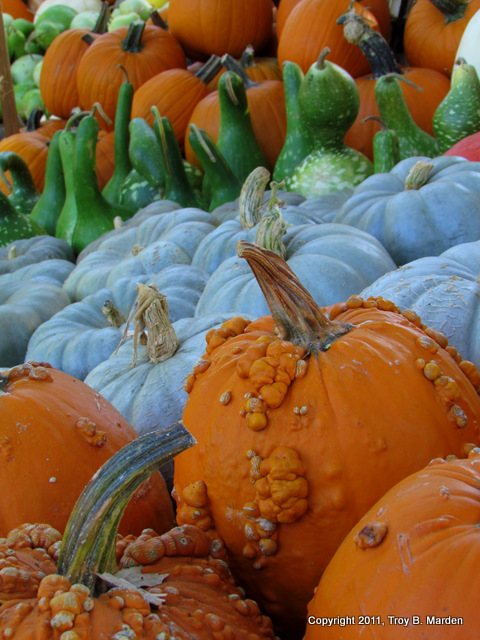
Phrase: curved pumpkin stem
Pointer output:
(88, 546)
(297, 316)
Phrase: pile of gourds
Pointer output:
(239, 284)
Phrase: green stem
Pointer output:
(133, 40)
(88, 546)
(453, 10)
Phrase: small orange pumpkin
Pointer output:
(303, 420)
(142, 50)
(55, 433)
(389, 564)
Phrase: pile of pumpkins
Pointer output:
(240, 385)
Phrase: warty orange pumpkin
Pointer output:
(303, 420)
(55, 433)
(392, 562)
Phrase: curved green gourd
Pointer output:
(123, 165)
(177, 186)
(386, 151)
(236, 139)
(68, 214)
(145, 153)
(24, 194)
(225, 187)
(49, 206)
(136, 192)
(298, 141)
(329, 103)
(458, 115)
(15, 225)
(394, 112)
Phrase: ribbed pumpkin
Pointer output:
(32, 147)
(206, 27)
(176, 93)
(312, 26)
(303, 420)
(389, 564)
(142, 50)
(433, 31)
(55, 433)
(58, 75)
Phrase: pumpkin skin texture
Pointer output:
(431, 39)
(317, 426)
(444, 291)
(31, 250)
(99, 75)
(220, 26)
(395, 573)
(52, 428)
(312, 26)
(424, 221)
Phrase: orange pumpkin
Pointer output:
(303, 420)
(17, 9)
(32, 147)
(142, 50)
(175, 93)
(105, 157)
(58, 75)
(55, 433)
(206, 27)
(390, 563)
(188, 590)
(312, 26)
(433, 31)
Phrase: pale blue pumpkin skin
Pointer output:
(412, 224)
(79, 337)
(165, 238)
(29, 296)
(444, 291)
(26, 251)
(332, 261)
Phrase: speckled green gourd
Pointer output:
(329, 103)
(298, 141)
(412, 140)
(458, 115)
(15, 225)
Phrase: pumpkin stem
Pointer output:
(209, 70)
(114, 316)
(453, 10)
(132, 42)
(157, 20)
(232, 65)
(297, 316)
(418, 175)
(88, 546)
(373, 45)
(251, 196)
(271, 228)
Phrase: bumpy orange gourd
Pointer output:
(414, 556)
(206, 27)
(55, 432)
(303, 420)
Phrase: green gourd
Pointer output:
(458, 115)
(24, 194)
(86, 214)
(386, 150)
(412, 140)
(49, 206)
(177, 186)
(298, 141)
(329, 103)
(225, 186)
(15, 225)
(145, 153)
(123, 165)
(136, 192)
